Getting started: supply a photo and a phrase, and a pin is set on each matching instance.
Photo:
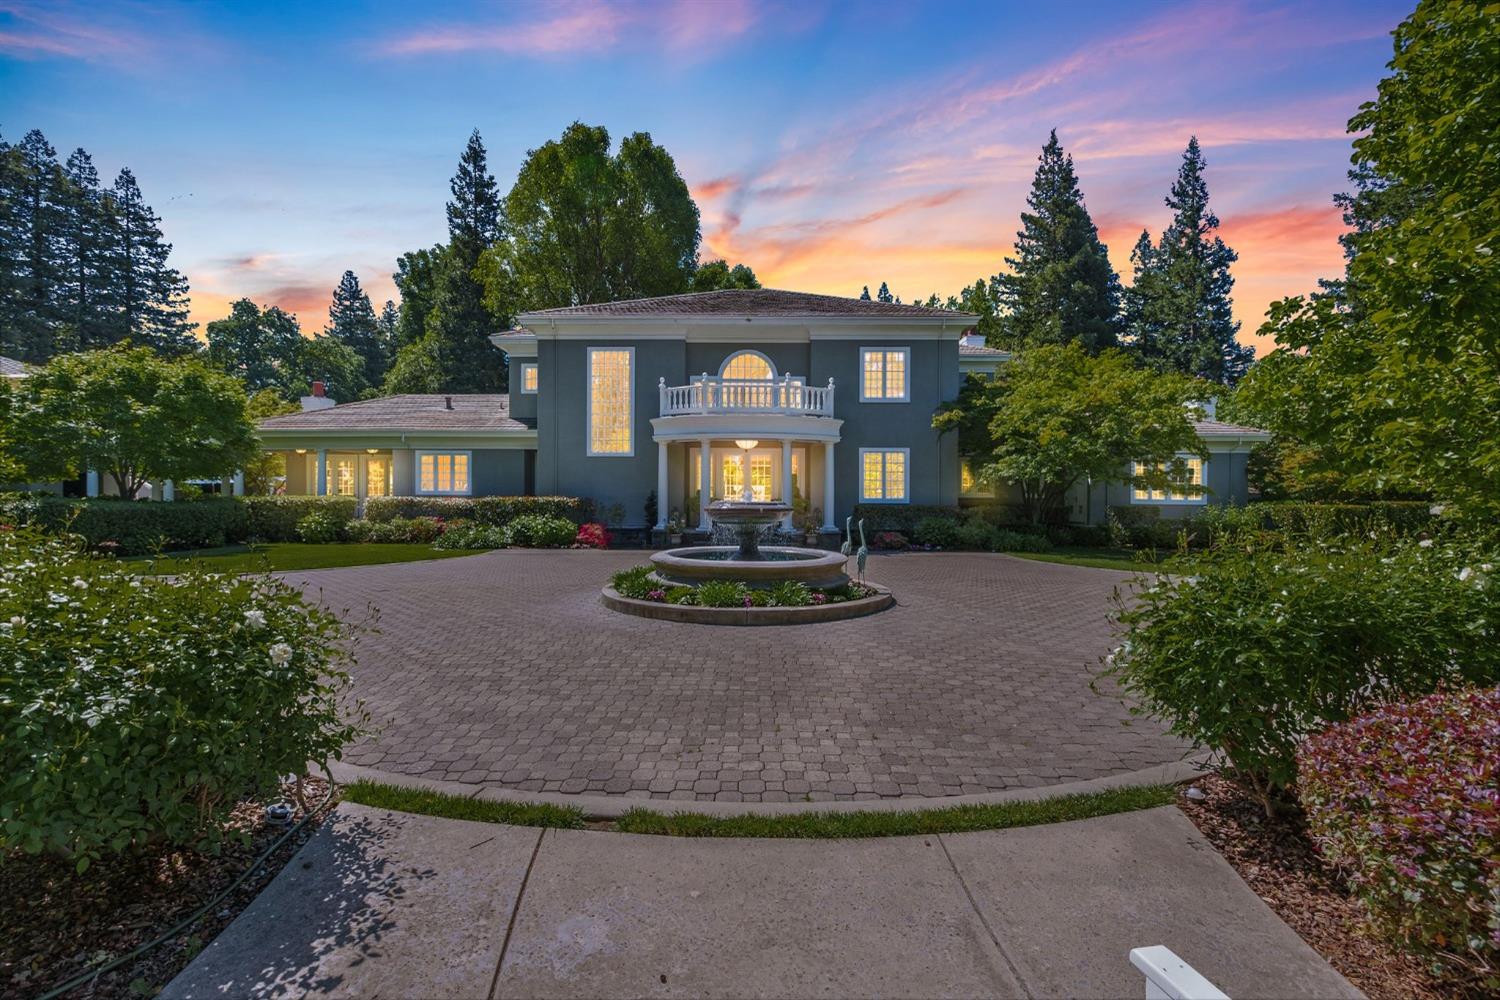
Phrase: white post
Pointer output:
(661, 483)
(828, 495)
(661, 389)
(1170, 978)
(705, 480)
(237, 484)
(322, 484)
(786, 480)
(91, 483)
(168, 490)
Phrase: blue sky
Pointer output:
(828, 145)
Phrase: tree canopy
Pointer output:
(1056, 415)
(714, 275)
(352, 323)
(1178, 310)
(1061, 287)
(1391, 377)
(131, 413)
(259, 347)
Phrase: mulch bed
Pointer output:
(1278, 861)
(57, 924)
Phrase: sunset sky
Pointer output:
(829, 146)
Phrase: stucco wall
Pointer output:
(1228, 483)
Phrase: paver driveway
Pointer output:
(504, 670)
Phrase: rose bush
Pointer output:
(1406, 801)
(138, 709)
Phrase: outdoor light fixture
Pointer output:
(372, 451)
(302, 451)
(746, 445)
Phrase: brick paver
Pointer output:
(503, 669)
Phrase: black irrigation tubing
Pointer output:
(196, 915)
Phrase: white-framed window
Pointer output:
(341, 475)
(746, 365)
(1195, 473)
(885, 475)
(444, 473)
(968, 484)
(885, 374)
(611, 402)
(528, 377)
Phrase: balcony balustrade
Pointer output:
(713, 394)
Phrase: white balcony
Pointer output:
(707, 394)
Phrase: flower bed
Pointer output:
(1406, 801)
(641, 584)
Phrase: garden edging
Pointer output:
(606, 807)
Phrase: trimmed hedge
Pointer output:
(498, 511)
(275, 519)
(902, 517)
(133, 528)
(1406, 802)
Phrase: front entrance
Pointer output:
(732, 465)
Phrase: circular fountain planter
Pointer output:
(805, 615)
(692, 566)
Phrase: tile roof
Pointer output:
(750, 302)
(1215, 428)
(11, 368)
(980, 351)
(405, 413)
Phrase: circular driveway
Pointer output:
(504, 670)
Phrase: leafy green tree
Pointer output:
(1402, 358)
(352, 322)
(1057, 415)
(150, 297)
(1178, 314)
(1061, 286)
(133, 414)
(327, 359)
(260, 348)
(717, 274)
(265, 467)
(454, 347)
(416, 280)
(587, 225)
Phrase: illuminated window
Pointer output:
(1194, 473)
(968, 484)
(341, 476)
(528, 377)
(885, 374)
(611, 400)
(377, 477)
(747, 364)
(443, 472)
(734, 477)
(760, 477)
(883, 475)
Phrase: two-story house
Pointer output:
(794, 395)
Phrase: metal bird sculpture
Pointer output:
(847, 549)
(863, 553)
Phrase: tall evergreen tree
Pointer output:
(864, 295)
(261, 348)
(387, 329)
(1061, 287)
(454, 353)
(884, 295)
(12, 240)
(1178, 310)
(150, 297)
(352, 322)
(38, 209)
(84, 237)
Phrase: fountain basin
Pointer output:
(692, 566)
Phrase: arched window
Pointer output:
(748, 364)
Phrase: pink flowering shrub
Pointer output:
(592, 536)
(1406, 801)
(889, 540)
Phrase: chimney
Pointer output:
(319, 400)
(448, 402)
(971, 339)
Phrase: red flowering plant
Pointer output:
(891, 540)
(592, 535)
(1406, 801)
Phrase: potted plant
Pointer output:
(810, 522)
(674, 529)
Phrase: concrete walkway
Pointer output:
(395, 905)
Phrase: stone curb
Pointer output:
(605, 807)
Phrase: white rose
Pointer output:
(17, 621)
(79, 581)
(1425, 543)
(255, 619)
(1464, 574)
(281, 653)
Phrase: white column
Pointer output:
(237, 484)
(705, 480)
(321, 486)
(786, 479)
(169, 490)
(828, 493)
(91, 483)
(661, 484)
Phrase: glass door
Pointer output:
(377, 476)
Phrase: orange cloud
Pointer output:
(711, 189)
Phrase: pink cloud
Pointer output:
(43, 32)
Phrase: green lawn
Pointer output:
(292, 556)
(1125, 559)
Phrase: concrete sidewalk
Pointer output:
(395, 905)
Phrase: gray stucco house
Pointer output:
(797, 395)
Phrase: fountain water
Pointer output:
(748, 561)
